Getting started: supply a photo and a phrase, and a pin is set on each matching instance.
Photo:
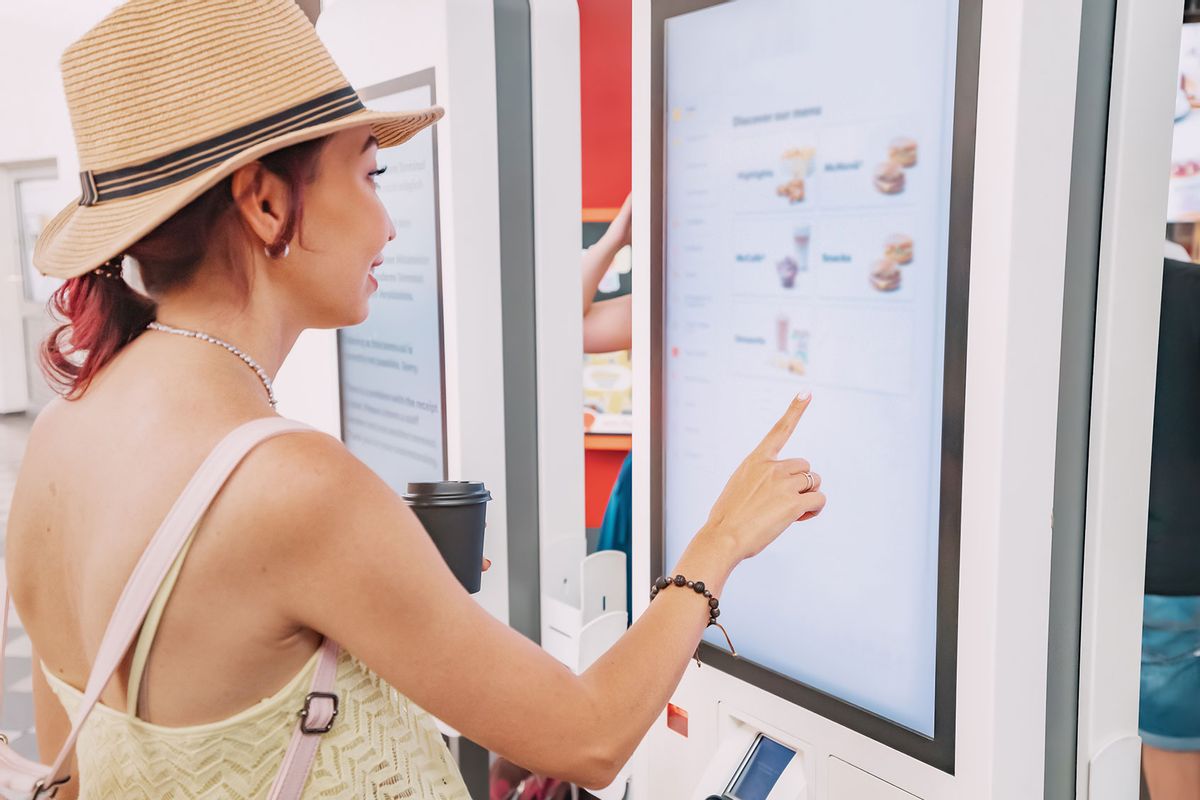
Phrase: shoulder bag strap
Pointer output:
(156, 561)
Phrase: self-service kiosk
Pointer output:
(894, 207)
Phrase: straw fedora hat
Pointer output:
(169, 97)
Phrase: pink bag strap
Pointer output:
(317, 716)
(134, 603)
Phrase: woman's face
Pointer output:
(342, 234)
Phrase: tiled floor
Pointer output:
(17, 719)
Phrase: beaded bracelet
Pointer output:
(714, 605)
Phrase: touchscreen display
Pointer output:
(390, 367)
(807, 184)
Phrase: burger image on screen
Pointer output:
(885, 276)
(889, 178)
(903, 151)
(899, 248)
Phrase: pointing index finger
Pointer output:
(782, 431)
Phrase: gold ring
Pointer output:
(812, 482)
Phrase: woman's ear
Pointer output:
(262, 199)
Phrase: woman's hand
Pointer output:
(765, 496)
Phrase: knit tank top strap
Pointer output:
(136, 690)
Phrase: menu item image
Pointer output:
(787, 269)
(903, 151)
(885, 276)
(889, 178)
(791, 346)
(793, 190)
(798, 357)
(802, 237)
(899, 248)
(783, 331)
(797, 162)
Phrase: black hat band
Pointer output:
(182, 164)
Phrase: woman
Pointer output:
(225, 154)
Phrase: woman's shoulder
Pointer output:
(303, 452)
(297, 483)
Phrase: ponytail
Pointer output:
(102, 313)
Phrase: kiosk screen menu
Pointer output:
(806, 222)
(391, 366)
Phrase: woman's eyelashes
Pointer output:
(375, 173)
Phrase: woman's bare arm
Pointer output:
(598, 258)
(608, 326)
(349, 559)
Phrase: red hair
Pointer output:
(101, 315)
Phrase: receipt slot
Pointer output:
(755, 762)
(766, 773)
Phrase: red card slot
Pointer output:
(677, 719)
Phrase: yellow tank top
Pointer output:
(381, 745)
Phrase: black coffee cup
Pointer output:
(454, 514)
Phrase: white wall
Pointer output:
(32, 38)
(35, 127)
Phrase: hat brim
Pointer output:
(81, 238)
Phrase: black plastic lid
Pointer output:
(447, 493)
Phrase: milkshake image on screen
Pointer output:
(787, 269)
(801, 236)
(791, 347)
